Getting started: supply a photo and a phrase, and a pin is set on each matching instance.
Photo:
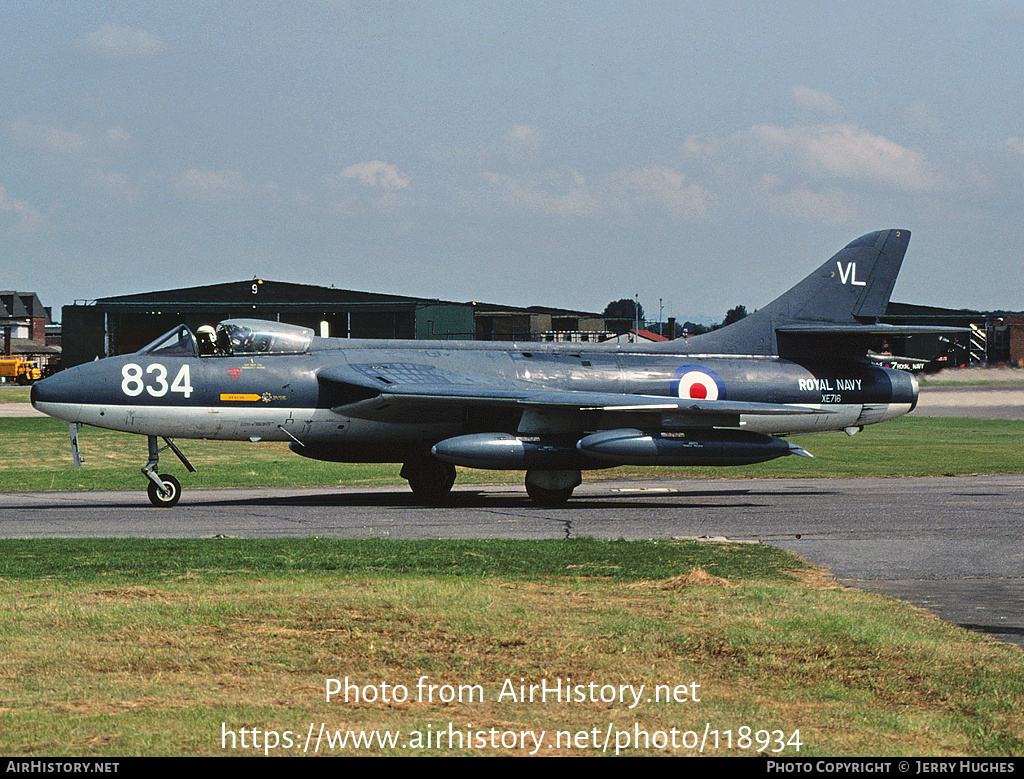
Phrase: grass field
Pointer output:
(216, 647)
(14, 394)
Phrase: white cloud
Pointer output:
(843, 151)
(521, 145)
(112, 184)
(828, 174)
(512, 173)
(23, 216)
(665, 188)
(82, 143)
(523, 142)
(816, 102)
(549, 192)
(210, 185)
(376, 174)
(52, 139)
(829, 206)
(123, 43)
(567, 193)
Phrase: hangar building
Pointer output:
(995, 337)
(118, 325)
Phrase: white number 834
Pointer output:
(133, 384)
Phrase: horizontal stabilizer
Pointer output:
(874, 329)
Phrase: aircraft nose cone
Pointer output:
(55, 396)
(41, 392)
(47, 390)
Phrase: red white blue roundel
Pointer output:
(697, 383)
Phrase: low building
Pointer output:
(25, 323)
(537, 323)
(126, 323)
(23, 316)
(637, 337)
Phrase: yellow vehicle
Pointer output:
(20, 370)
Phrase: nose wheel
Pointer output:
(167, 494)
(163, 489)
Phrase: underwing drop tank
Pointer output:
(692, 447)
(501, 451)
(607, 449)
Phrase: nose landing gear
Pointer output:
(168, 491)
(164, 490)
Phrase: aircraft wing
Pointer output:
(462, 391)
(447, 395)
(584, 401)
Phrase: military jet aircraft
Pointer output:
(550, 409)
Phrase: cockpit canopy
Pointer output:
(233, 337)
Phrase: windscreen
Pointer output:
(179, 342)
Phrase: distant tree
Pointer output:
(692, 328)
(734, 315)
(620, 316)
(624, 309)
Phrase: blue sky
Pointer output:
(697, 155)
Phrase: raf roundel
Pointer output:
(697, 383)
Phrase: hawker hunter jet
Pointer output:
(728, 397)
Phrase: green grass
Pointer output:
(156, 559)
(14, 394)
(120, 648)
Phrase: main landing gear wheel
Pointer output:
(545, 497)
(430, 479)
(551, 488)
(170, 493)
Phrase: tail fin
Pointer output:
(835, 308)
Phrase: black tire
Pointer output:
(542, 496)
(430, 480)
(165, 500)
